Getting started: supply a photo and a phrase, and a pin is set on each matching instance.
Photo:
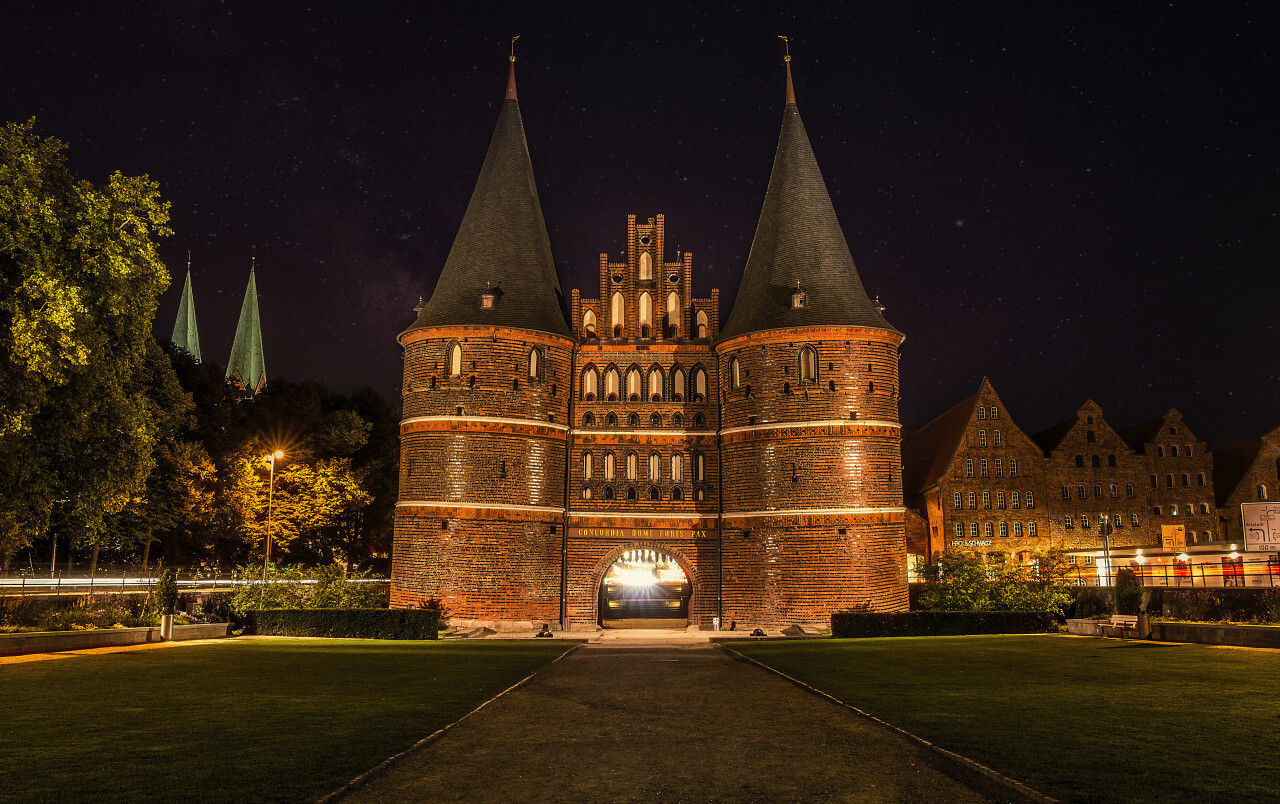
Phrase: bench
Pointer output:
(1122, 623)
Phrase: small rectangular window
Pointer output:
(995, 439)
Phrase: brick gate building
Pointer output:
(551, 448)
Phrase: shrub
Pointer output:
(853, 624)
(166, 592)
(292, 588)
(347, 623)
(1128, 592)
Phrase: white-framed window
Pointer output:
(1128, 489)
(1017, 530)
(987, 530)
(1004, 530)
(957, 500)
(959, 530)
(973, 529)
(1114, 490)
(1015, 499)
(982, 438)
(973, 500)
(982, 413)
(1031, 529)
(999, 499)
(995, 439)
(995, 412)
(983, 465)
(455, 359)
(1084, 520)
(1134, 520)
(1031, 499)
(999, 467)
(1013, 467)
(968, 467)
(986, 499)
(1067, 522)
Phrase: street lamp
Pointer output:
(271, 493)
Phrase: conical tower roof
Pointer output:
(247, 368)
(799, 245)
(502, 248)
(185, 333)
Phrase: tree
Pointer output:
(81, 279)
(955, 582)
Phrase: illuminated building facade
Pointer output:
(625, 457)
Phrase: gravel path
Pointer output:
(669, 723)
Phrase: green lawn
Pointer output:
(237, 720)
(1080, 719)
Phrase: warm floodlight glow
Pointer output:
(277, 455)
(1183, 556)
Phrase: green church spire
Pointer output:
(185, 333)
(246, 368)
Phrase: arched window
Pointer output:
(653, 493)
(611, 420)
(1095, 461)
(611, 385)
(590, 383)
(588, 419)
(1111, 460)
(699, 467)
(589, 323)
(1159, 452)
(1031, 499)
(1031, 529)
(699, 420)
(633, 466)
(1084, 520)
(808, 364)
(655, 420)
(982, 412)
(968, 467)
(1262, 492)
(646, 266)
(588, 466)
(677, 468)
(982, 438)
(617, 315)
(455, 359)
(609, 466)
(1017, 530)
(655, 466)
(1175, 450)
(995, 439)
(608, 492)
(1168, 481)
(699, 385)
(633, 420)
(631, 492)
(1128, 489)
(986, 499)
(703, 324)
(1089, 436)
(1186, 479)
(973, 500)
(1115, 490)
(1015, 500)
(1004, 529)
(535, 364)
(959, 530)
(986, 530)
(677, 385)
(735, 372)
(677, 420)
(1066, 521)
(586, 492)
(956, 499)
(633, 384)
(995, 412)
(999, 499)
(677, 493)
(646, 314)
(1080, 461)
(655, 384)
(673, 314)
(1013, 467)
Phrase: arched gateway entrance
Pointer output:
(645, 588)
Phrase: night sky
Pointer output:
(1075, 199)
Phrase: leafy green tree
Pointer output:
(81, 278)
(955, 582)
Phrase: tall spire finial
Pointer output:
(511, 76)
(188, 260)
(791, 93)
(253, 258)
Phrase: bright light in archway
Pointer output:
(640, 568)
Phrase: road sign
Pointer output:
(1261, 527)
(1173, 538)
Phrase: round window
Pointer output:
(617, 278)
(674, 278)
(644, 239)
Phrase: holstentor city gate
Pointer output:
(624, 458)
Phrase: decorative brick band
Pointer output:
(470, 510)
(842, 428)
(471, 424)
(462, 331)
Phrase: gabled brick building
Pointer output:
(1247, 473)
(551, 456)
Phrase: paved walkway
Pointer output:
(671, 720)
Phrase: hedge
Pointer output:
(346, 623)
(850, 624)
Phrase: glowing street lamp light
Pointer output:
(271, 493)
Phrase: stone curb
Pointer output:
(386, 764)
(986, 780)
